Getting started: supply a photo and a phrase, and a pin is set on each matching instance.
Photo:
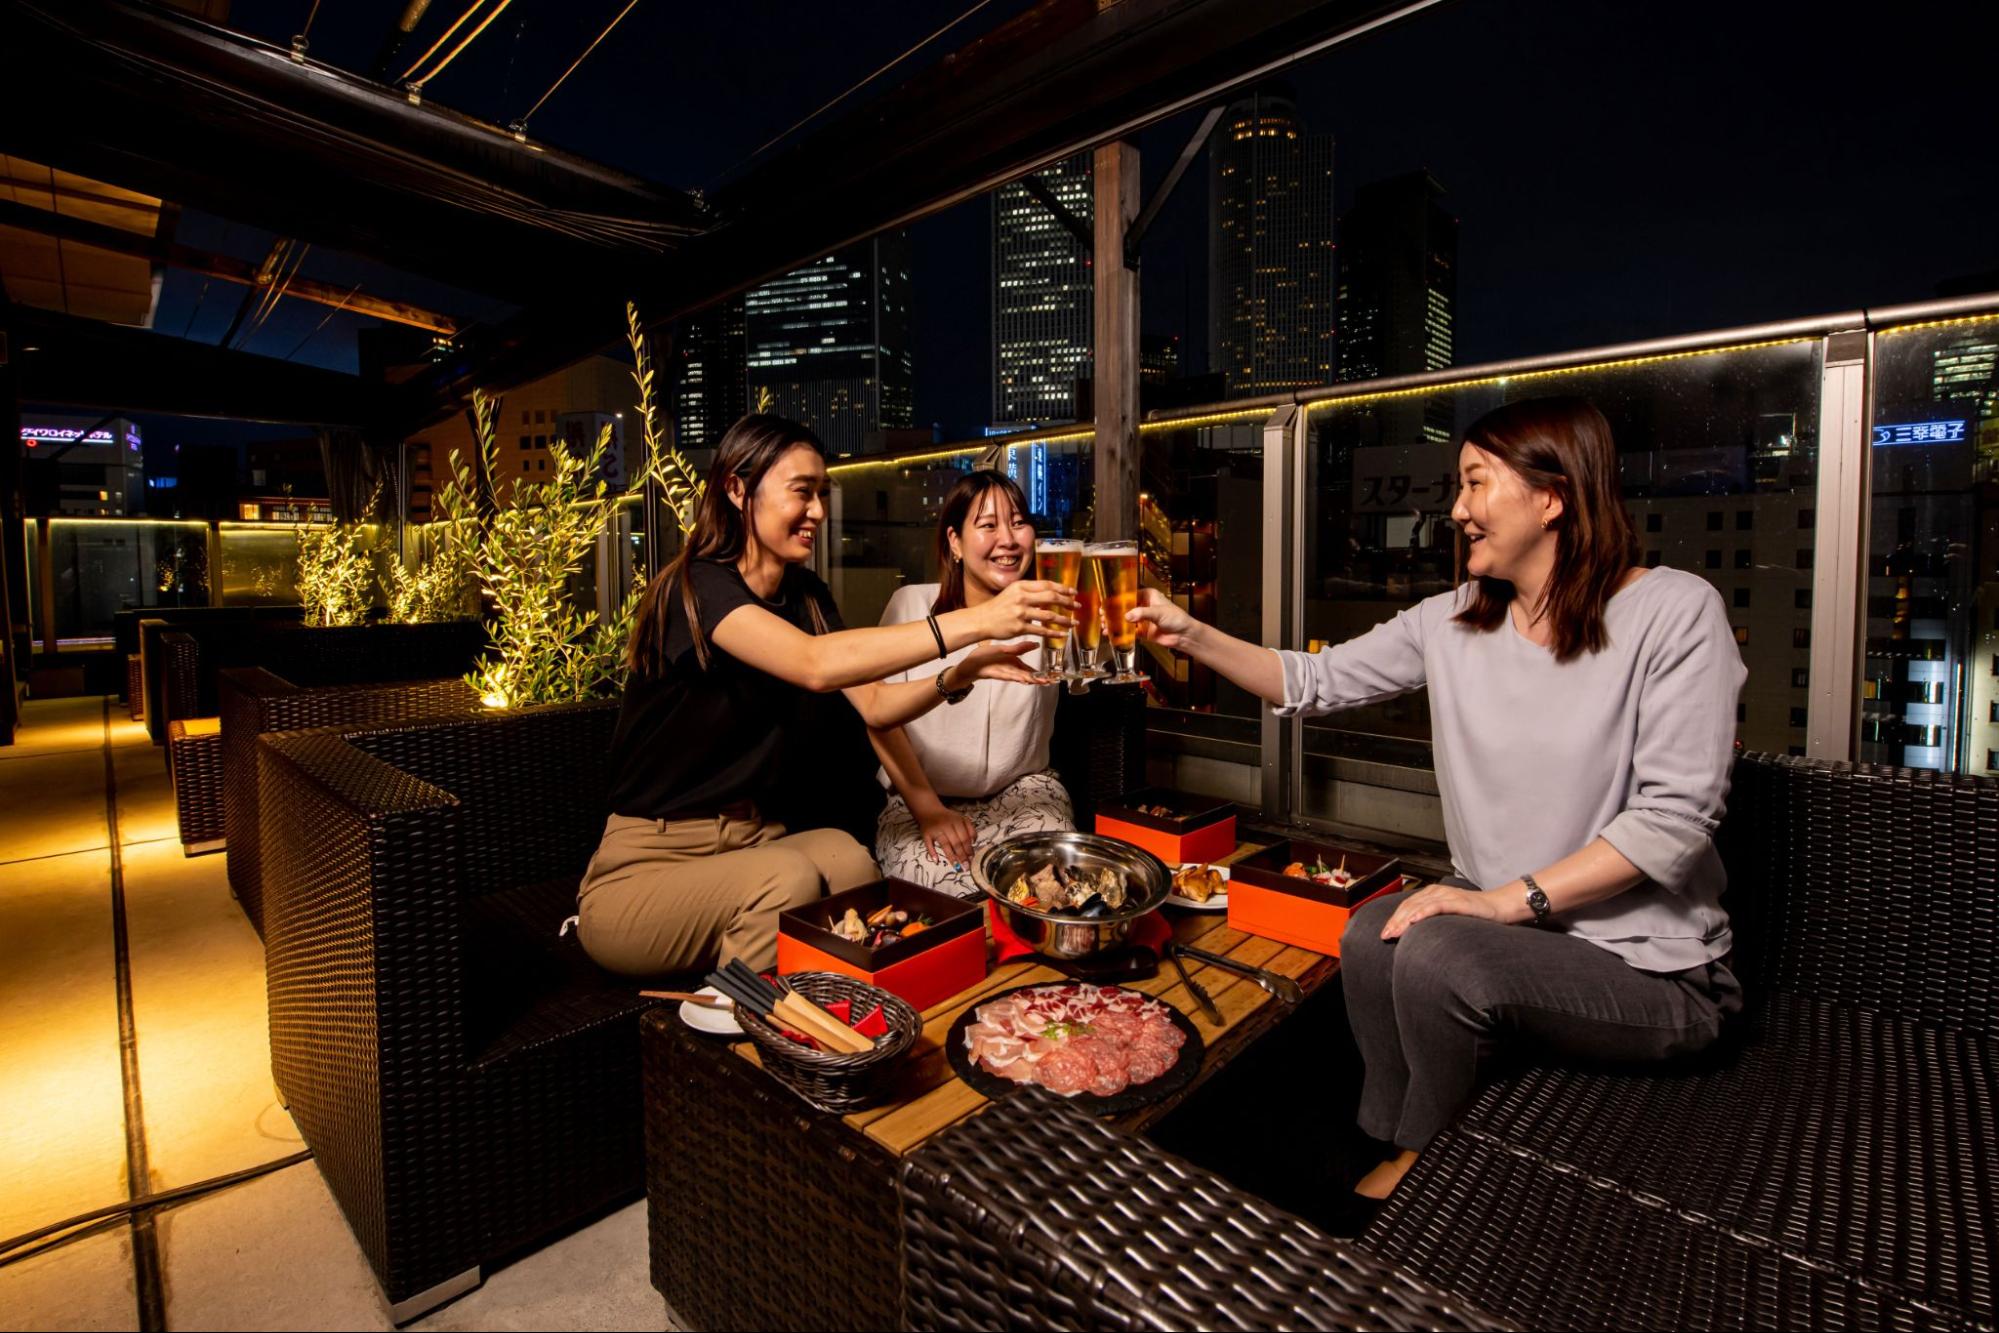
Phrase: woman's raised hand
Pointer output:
(998, 661)
(1169, 624)
(1031, 606)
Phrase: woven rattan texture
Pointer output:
(1890, 888)
(468, 1081)
(836, 1263)
(1831, 1162)
(188, 657)
(830, 1081)
(362, 967)
(534, 785)
(1555, 1248)
(1032, 1214)
(195, 763)
(254, 701)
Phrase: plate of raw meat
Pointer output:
(1107, 1048)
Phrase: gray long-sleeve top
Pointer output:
(1536, 758)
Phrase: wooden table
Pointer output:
(768, 1213)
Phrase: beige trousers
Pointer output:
(672, 895)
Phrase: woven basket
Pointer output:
(836, 1083)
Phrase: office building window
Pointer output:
(1992, 760)
(1742, 559)
(1801, 638)
(1742, 634)
(1801, 678)
(1741, 712)
(1808, 518)
(1651, 560)
(1714, 559)
(1798, 750)
(1805, 558)
(1745, 520)
(1742, 596)
(1714, 520)
(1655, 522)
(1801, 598)
(527, 442)
(1797, 717)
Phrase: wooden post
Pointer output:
(1115, 391)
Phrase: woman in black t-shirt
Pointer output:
(730, 643)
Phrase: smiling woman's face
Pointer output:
(790, 504)
(996, 543)
(1500, 515)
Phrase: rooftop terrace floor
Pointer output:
(84, 797)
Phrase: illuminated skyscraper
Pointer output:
(1270, 248)
(1398, 279)
(711, 360)
(831, 341)
(1042, 294)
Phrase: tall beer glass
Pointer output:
(1089, 622)
(1058, 560)
(1117, 566)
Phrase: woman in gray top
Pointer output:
(1583, 715)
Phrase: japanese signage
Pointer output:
(1402, 479)
(1921, 432)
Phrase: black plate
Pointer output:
(1177, 1076)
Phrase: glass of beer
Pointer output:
(1059, 560)
(1115, 565)
(1089, 638)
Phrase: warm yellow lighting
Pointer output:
(1211, 419)
(1959, 322)
(250, 512)
(1453, 386)
(908, 461)
(493, 699)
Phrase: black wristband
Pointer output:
(938, 634)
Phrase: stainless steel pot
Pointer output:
(1066, 935)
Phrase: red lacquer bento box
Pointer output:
(1265, 901)
(947, 956)
(1195, 828)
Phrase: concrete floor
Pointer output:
(272, 1253)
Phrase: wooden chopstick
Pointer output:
(690, 997)
(809, 1018)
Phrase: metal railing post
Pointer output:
(1282, 591)
(1839, 561)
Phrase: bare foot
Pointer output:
(1381, 1182)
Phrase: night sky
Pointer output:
(1620, 171)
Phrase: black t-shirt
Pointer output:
(694, 741)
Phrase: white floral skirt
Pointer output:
(1034, 803)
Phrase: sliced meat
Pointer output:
(1065, 1071)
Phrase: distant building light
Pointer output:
(249, 512)
(163, 483)
(1921, 432)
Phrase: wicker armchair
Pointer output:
(1832, 1164)
(181, 660)
(468, 1082)
(254, 701)
(1032, 1214)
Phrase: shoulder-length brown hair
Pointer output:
(1561, 445)
(959, 507)
(721, 532)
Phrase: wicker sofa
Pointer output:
(191, 660)
(125, 635)
(466, 1079)
(1834, 1164)
(254, 701)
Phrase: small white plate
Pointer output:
(1218, 903)
(715, 1022)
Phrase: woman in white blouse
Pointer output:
(975, 772)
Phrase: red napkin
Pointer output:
(842, 1010)
(874, 1025)
(1150, 931)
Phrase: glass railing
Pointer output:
(1719, 457)
(1930, 683)
(1724, 471)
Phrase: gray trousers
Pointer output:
(1431, 1010)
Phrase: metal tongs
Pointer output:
(1284, 988)
(1194, 988)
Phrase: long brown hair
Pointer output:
(959, 507)
(1561, 445)
(721, 533)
